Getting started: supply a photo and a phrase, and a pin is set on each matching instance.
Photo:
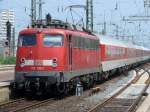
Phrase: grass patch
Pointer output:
(7, 60)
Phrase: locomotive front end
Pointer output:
(40, 60)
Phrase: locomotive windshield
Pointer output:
(52, 40)
(27, 40)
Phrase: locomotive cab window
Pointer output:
(52, 40)
(27, 40)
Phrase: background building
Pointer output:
(5, 16)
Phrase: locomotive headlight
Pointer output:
(54, 62)
(22, 64)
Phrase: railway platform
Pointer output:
(6, 73)
(6, 77)
(4, 91)
(145, 106)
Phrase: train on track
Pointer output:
(54, 56)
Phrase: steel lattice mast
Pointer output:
(33, 11)
(89, 15)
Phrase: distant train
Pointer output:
(56, 56)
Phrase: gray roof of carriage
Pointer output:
(114, 42)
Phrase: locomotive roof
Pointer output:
(111, 41)
(59, 30)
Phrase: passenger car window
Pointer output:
(27, 40)
(52, 40)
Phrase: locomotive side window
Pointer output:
(85, 43)
(27, 40)
(52, 40)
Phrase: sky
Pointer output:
(111, 11)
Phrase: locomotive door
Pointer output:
(69, 43)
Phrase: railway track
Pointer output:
(22, 105)
(112, 104)
(116, 104)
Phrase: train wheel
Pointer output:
(90, 82)
(100, 78)
(62, 88)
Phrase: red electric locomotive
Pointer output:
(55, 57)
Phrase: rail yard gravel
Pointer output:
(85, 102)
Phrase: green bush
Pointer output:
(7, 60)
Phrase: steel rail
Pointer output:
(34, 105)
(6, 104)
(132, 108)
(105, 102)
(22, 105)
